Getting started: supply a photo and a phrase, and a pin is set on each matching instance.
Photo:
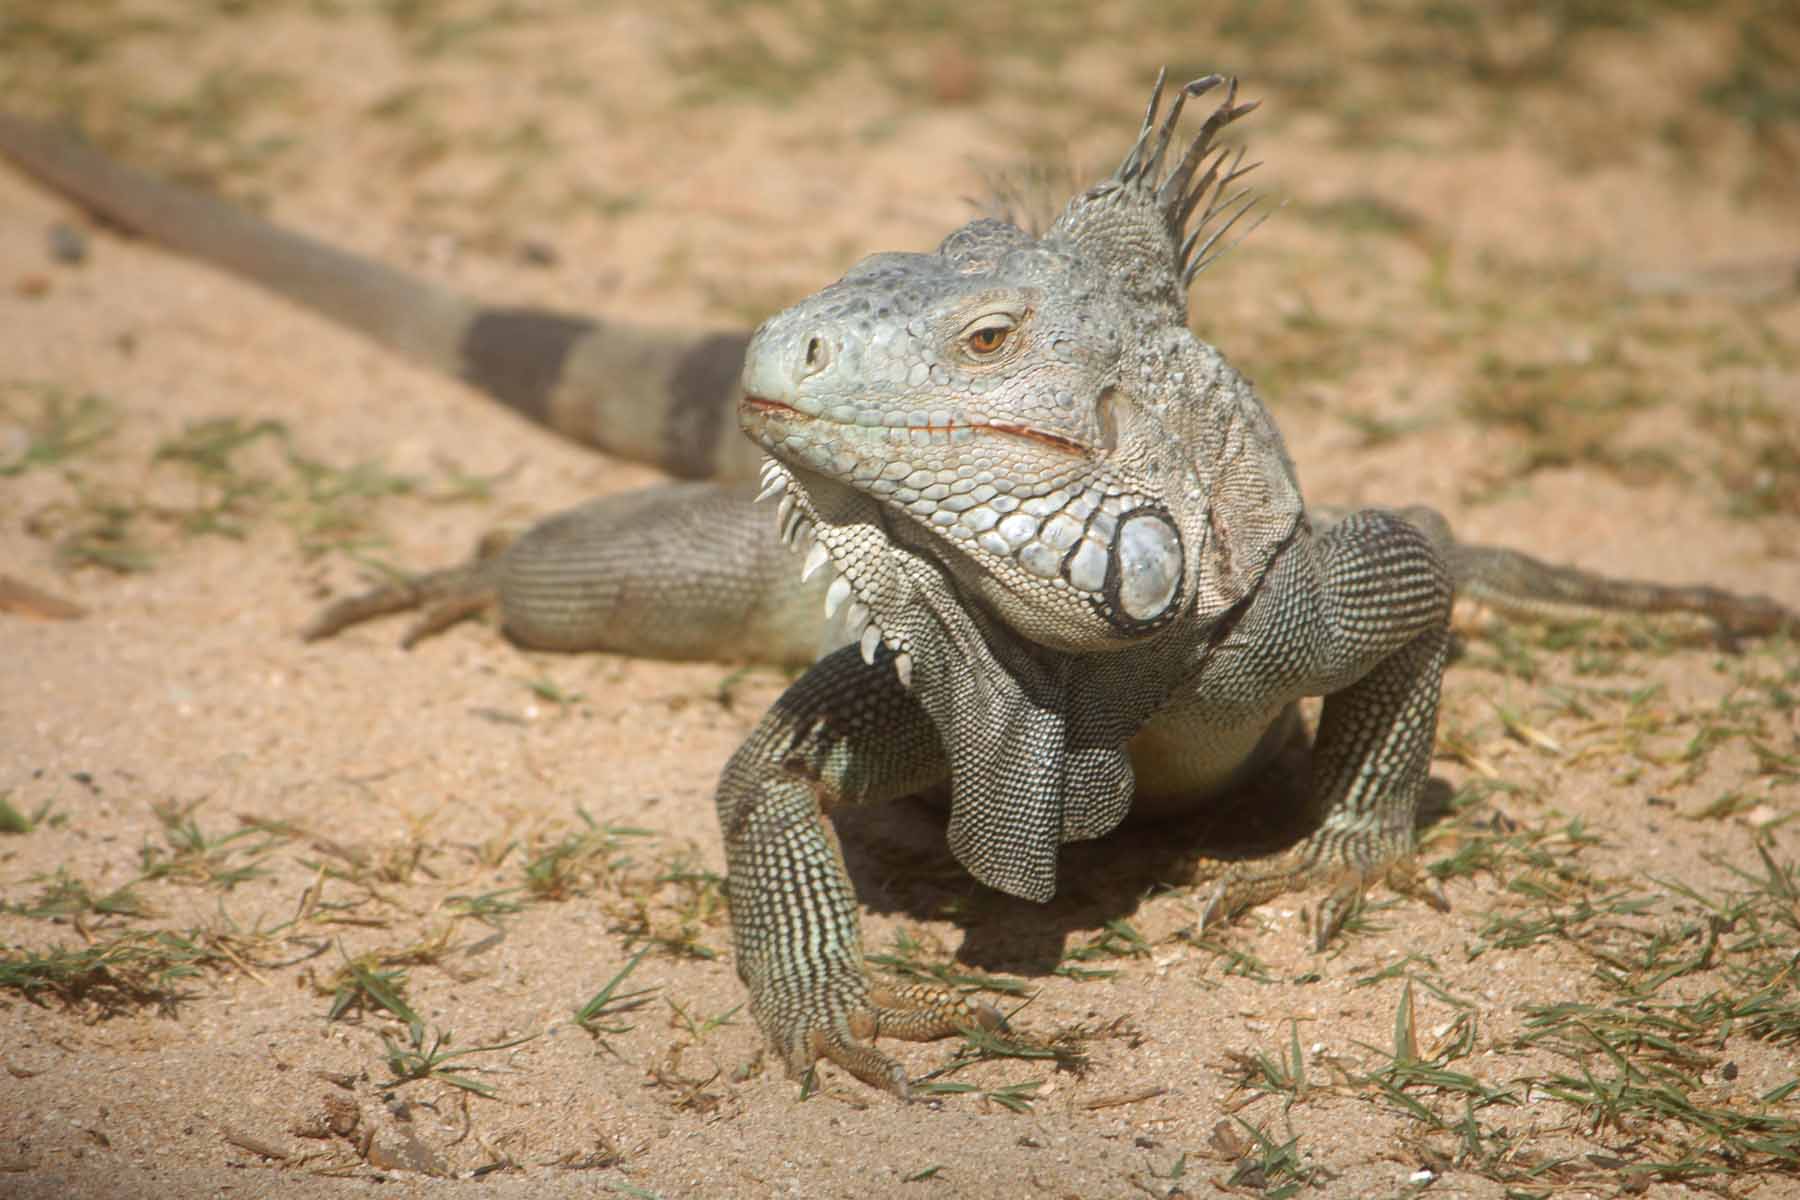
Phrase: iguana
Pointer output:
(1061, 542)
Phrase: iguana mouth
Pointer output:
(1055, 441)
(752, 400)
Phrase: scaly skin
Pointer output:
(1072, 547)
(1069, 548)
(1062, 518)
(1069, 564)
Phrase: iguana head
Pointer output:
(1015, 408)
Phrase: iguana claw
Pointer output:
(915, 1013)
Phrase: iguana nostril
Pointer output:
(818, 355)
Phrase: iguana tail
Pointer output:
(1517, 583)
(653, 395)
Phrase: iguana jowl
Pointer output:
(1066, 549)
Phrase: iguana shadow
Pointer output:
(899, 863)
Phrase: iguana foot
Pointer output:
(913, 1013)
(1345, 866)
(442, 598)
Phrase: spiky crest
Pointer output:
(1117, 221)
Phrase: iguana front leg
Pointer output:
(845, 732)
(1366, 605)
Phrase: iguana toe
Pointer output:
(838, 1043)
(1347, 868)
(442, 598)
(914, 1013)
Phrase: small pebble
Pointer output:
(68, 245)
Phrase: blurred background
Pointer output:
(1538, 236)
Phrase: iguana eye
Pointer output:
(986, 336)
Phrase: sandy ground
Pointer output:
(1441, 313)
